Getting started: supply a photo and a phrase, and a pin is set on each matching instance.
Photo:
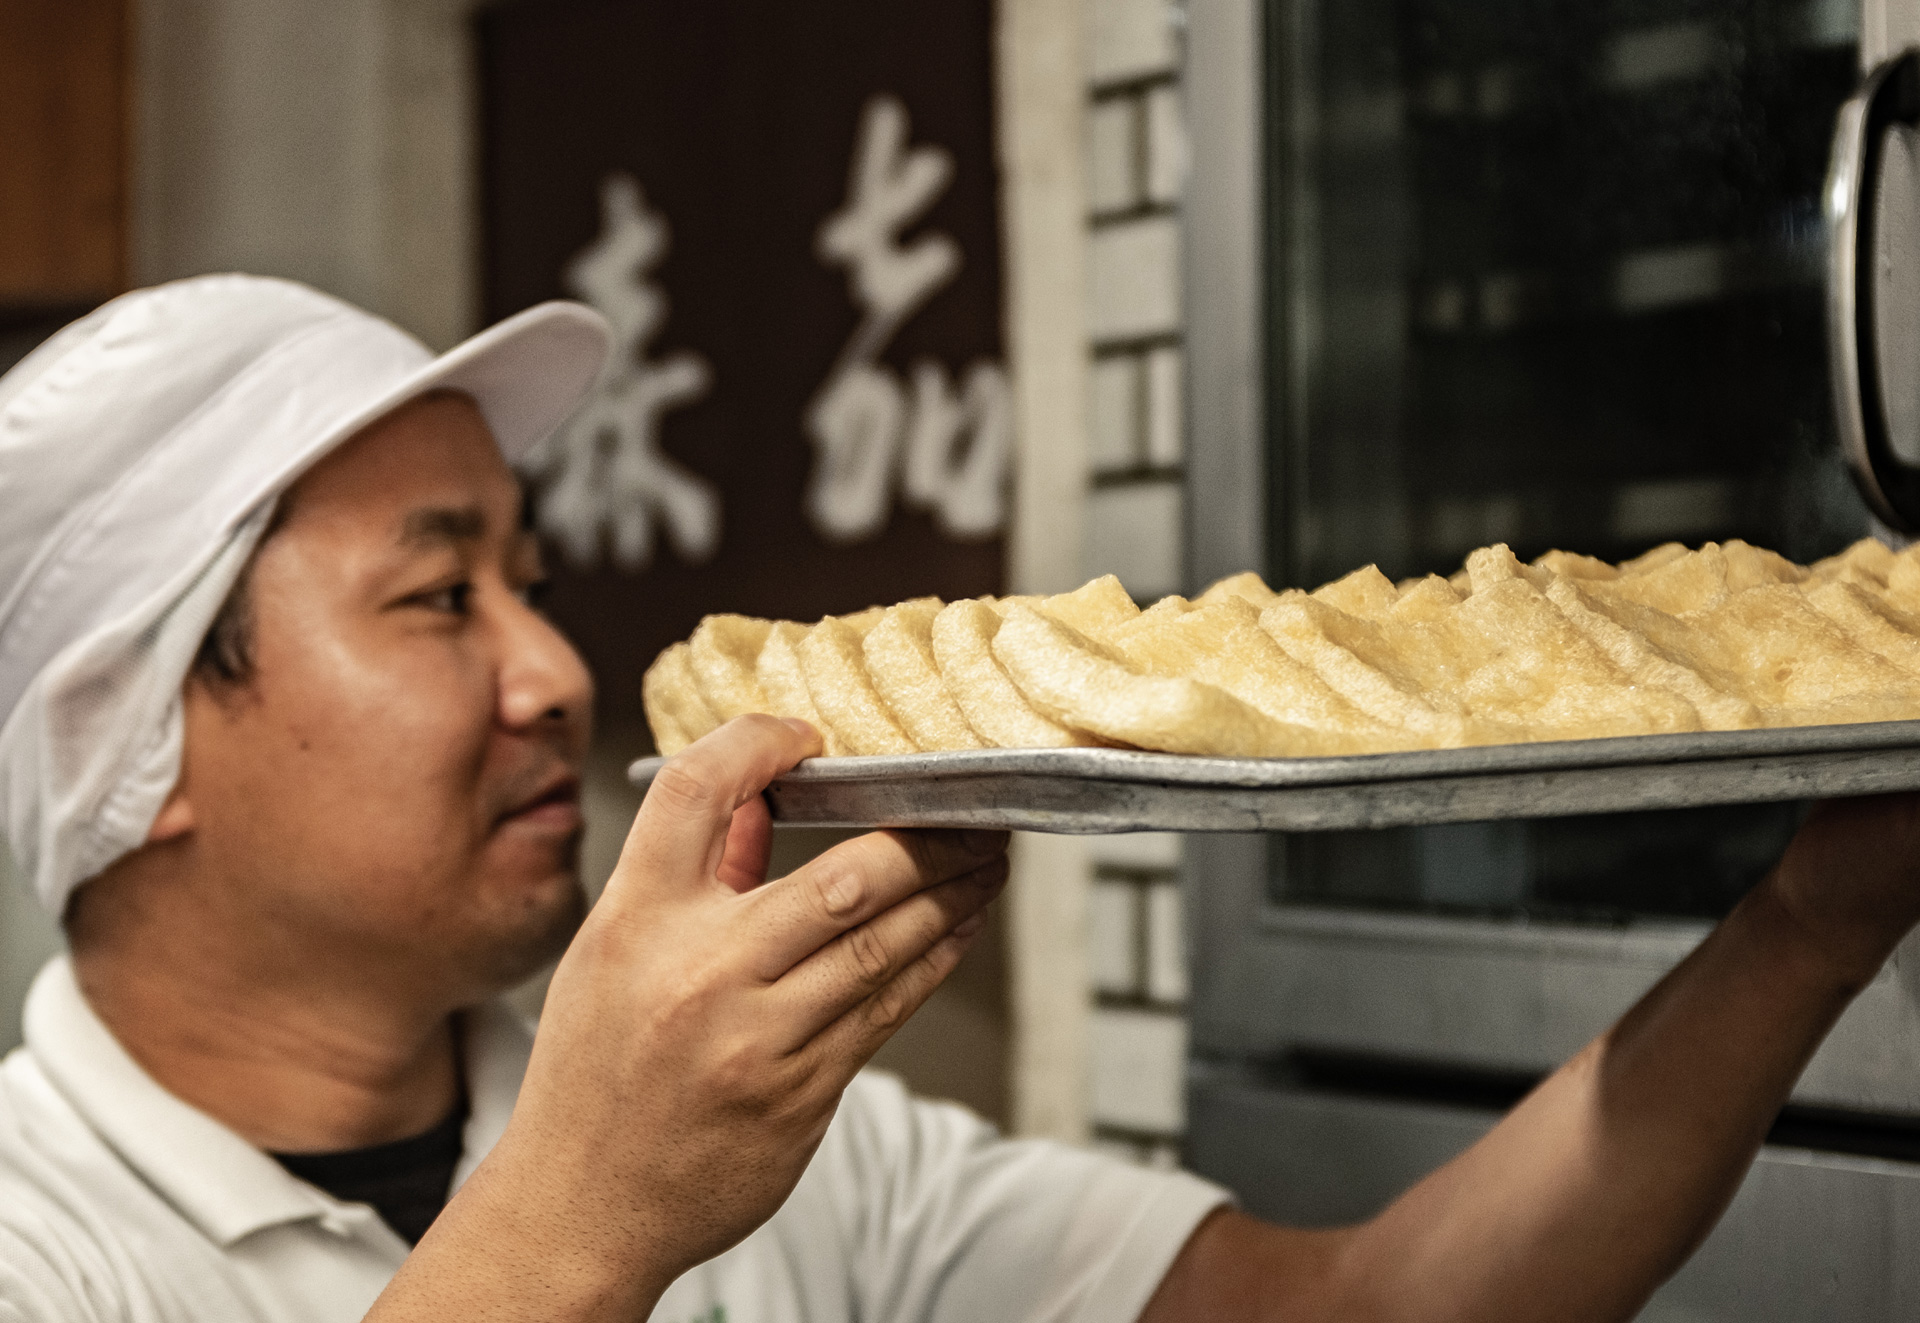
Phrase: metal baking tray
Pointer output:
(1095, 791)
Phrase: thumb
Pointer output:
(679, 837)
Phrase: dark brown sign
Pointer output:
(789, 213)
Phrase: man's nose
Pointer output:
(542, 678)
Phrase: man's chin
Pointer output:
(536, 936)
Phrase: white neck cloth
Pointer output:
(94, 746)
(141, 452)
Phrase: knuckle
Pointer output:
(759, 724)
(685, 785)
(737, 1069)
(923, 852)
(868, 955)
(607, 937)
(839, 888)
(789, 1109)
(678, 1017)
(979, 842)
(889, 1008)
(993, 873)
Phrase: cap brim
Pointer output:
(526, 374)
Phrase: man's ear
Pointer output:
(175, 818)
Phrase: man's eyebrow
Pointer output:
(444, 523)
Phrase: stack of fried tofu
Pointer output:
(1726, 637)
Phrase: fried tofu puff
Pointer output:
(1726, 636)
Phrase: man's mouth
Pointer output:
(555, 807)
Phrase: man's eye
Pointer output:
(453, 599)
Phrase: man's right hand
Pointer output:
(696, 1039)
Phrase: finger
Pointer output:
(796, 915)
(842, 1048)
(681, 831)
(858, 964)
(743, 864)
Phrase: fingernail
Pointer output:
(983, 842)
(969, 926)
(802, 727)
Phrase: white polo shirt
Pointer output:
(119, 1203)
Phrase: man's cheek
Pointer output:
(434, 728)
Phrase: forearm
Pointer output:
(1598, 1185)
(1603, 1180)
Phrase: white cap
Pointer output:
(141, 451)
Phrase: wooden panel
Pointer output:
(734, 125)
(63, 151)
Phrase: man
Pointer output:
(283, 741)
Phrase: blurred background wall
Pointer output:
(329, 141)
(336, 141)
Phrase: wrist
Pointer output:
(522, 1231)
(1811, 947)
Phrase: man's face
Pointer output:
(397, 784)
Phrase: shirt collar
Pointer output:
(215, 1179)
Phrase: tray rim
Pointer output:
(1150, 768)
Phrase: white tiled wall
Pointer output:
(1137, 1080)
(1137, 852)
(1113, 146)
(1115, 418)
(1133, 285)
(1130, 39)
(1165, 975)
(1138, 1038)
(1135, 415)
(1164, 168)
(1113, 938)
(1133, 530)
(1135, 163)
(1162, 422)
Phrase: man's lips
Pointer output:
(555, 807)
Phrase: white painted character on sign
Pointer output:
(605, 482)
(948, 449)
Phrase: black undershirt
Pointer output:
(405, 1181)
